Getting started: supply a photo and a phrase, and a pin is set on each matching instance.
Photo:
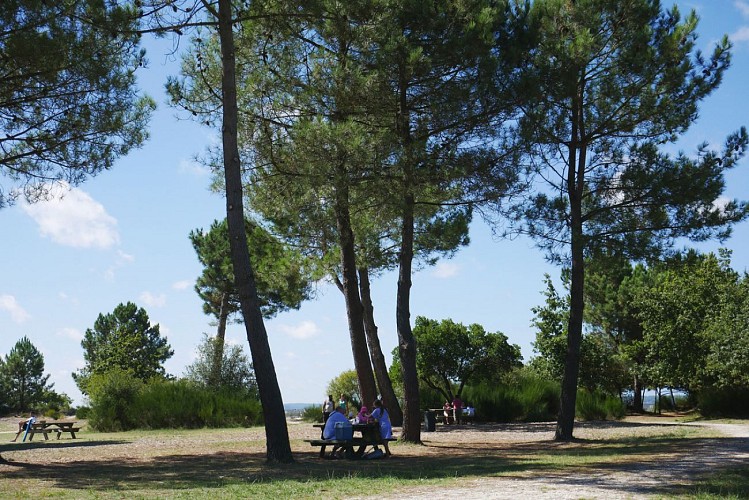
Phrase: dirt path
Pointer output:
(628, 481)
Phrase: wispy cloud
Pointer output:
(70, 333)
(182, 285)
(741, 35)
(445, 270)
(743, 7)
(73, 218)
(152, 300)
(17, 313)
(193, 168)
(302, 331)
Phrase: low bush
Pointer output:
(723, 402)
(113, 396)
(598, 406)
(523, 397)
(312, 414)
(121, 402)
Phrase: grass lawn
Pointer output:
(230, 463)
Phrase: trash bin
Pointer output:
(429, 421)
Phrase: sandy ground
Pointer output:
(634, 478)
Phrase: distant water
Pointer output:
(296, 406)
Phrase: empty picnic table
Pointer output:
(53, 426)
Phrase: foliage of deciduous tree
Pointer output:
(125, 340)
(450, 355)
(613, 82)
(680, 314)
(727, 362)
(347, 382)
(69, 105)
(235, 372)
(23, 376)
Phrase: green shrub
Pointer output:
(524, 397)
(113, 395)
(598, 406)
(82, 412)
(312, 414)
(185, 404)
(723, 402)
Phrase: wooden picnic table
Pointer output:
(52, 426)
(354, 448)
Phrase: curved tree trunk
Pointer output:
(350, 290)
(375, 351)
(278, 448)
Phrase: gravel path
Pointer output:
(641, 480)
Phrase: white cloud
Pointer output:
(121, 261)
(17, 313)
(740, 35)
(182, 285)
(70, 333)
(302, 331)
(72, 218)
(445, 270)
(152, 300)
(743, 7)
(194, 168)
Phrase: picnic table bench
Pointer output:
(48, 427)
(352, 448)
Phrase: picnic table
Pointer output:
(53, 426)
(369, 435)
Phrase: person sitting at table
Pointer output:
(363, 417)
(24, 424)
(447, 412)
(380, 415)
(328, 432)
(339, 415)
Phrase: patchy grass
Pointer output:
(230, 463)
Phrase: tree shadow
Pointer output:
(590, 462)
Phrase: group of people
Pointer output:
(456, 411)
(344, 412)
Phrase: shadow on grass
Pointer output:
(56, 444)
(579, 463)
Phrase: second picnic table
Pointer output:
(53, 426)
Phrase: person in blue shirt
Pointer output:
(339, 415)
(24, 424)
(380, 414)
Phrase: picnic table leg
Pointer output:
(322, 451)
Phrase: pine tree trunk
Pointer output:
(218, 345)
(375, 351)
(637, 392)
(278, 448)
(354, 312)
(406, 339)
(575, 185)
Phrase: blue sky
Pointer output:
(123, 236)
